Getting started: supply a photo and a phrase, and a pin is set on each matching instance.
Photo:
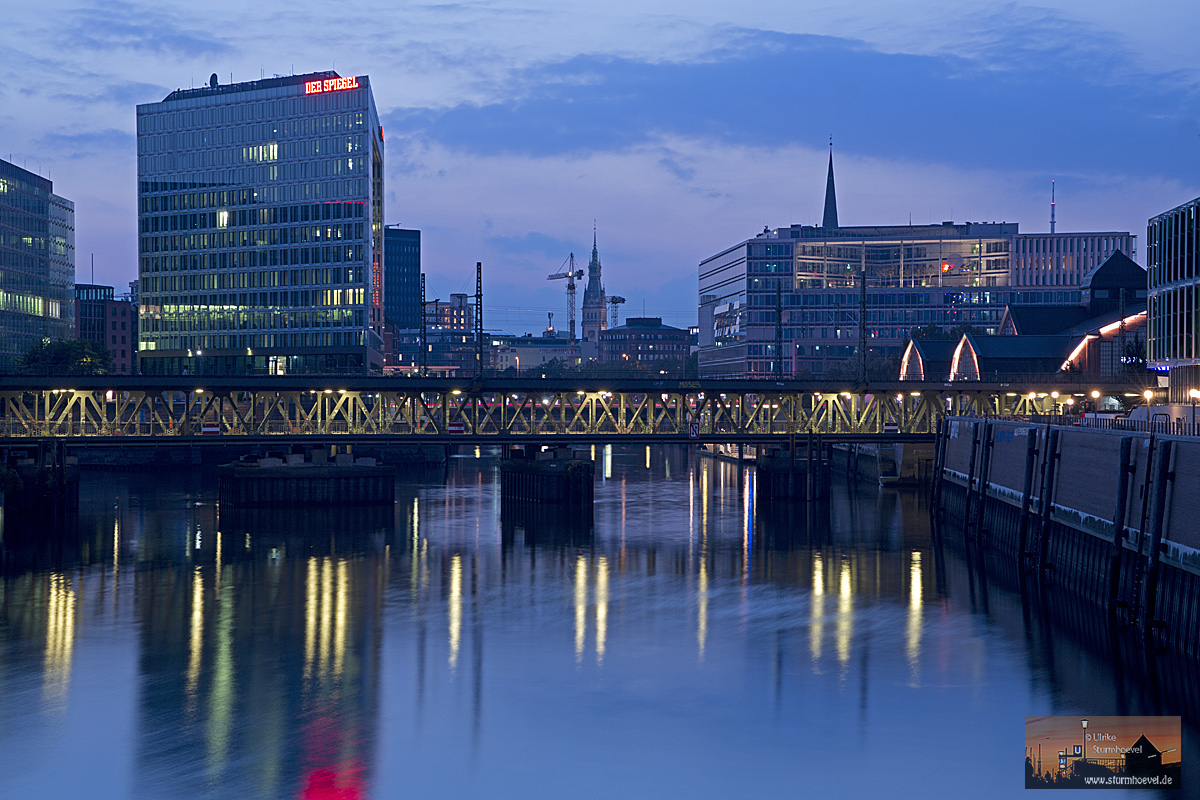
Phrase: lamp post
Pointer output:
(1084, 749)
(1194, 393)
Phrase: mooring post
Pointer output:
(971, 474)
(1162, 475)
(989, 435)
(1118, 544)
(1031, 452)
(1047, 499)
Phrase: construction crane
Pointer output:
(613, 302)
(572, 274)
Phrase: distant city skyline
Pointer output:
(678, 128)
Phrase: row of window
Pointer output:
(251, 259)
(190, 320)
(257, 237)
(250, 341)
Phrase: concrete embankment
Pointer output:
(1114, 516)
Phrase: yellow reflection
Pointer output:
(477, 453)
(601, 607)
(607, 461)
(326, 618)
(647, 456)
(455, 608)
(413, 567)
(816, 628)
(60, 638)
(220, 706)
(845, 621)
(312, 584)
(196, 643)
(580, 605)
(339, 631)
(702, 608)
(914, 620)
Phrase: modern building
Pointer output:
(402, 277)
(107, 321)
(1173, 341)
(594, 312)
(644, 339)
(523, 353)
(260, 219)
(37, 264)
(846, 287)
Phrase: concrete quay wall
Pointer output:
(1112, 515)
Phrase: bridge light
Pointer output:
(915, 394)
(1148, 394)
(199, 391)
(1032, 395)
(456, 391)
(329, 391)
(900, 397)
(341, 391)
(845, 394)
(1095, 394)
(1054, 395)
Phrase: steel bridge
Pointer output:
(140, 410)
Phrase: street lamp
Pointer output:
(1193, 393)
(1084, 739)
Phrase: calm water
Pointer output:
(690, 645)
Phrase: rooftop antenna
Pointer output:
(93, 268)
(1051, 205)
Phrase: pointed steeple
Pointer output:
(830, 220)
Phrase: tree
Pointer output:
(67, 357)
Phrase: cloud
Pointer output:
(76, 145)
(122, 93)
(531, 243)
(770, 89)
(128, 26)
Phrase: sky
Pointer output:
(675, 129)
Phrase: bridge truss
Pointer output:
(152, 409)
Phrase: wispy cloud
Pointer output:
(149, 28)
(81, 143)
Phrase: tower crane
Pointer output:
(613, 301)
(568, 271)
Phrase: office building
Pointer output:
(108, 321)
(1173, 341)
(842, 285)
(402, 277)
(644, 339)
(37, 264)
(260, 218)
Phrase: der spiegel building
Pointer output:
(260, 219)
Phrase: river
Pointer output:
(688, 645)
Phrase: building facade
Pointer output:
(260, 218)
(108, 321)
(37, 264)
(840, 286)
(644, 339)
(1173, 292)
(402, 277)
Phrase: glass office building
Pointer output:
(260, 218)
(943, 275)
(1173, 295)
(402, 277)
(37, 264)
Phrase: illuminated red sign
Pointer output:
(330, 85)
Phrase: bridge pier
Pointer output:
(41, 479)
(782, 476)
(559, 477)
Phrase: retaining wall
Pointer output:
(1112, 515)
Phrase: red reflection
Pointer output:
(325, 784)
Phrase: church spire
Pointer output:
(830, 220)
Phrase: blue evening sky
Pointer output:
(681, 128)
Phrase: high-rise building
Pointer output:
(402, 277)
(843, 288)
(1173, 298)
(260, 218)
(37, 264)
(108, 321)
(595, 315)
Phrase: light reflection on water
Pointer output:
(688, 643)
